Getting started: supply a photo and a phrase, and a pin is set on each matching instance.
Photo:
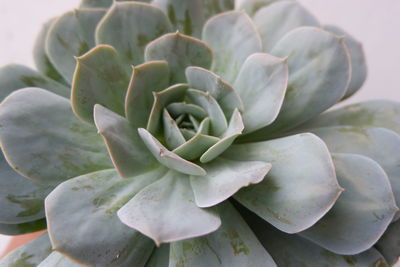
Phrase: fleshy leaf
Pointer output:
(22, 228)
(185, 16)
(252, 6)
(375, 113)
(178, 109)
(130, 26)
(21, 200)
(293, 250)
(165, 211)
(180, 51)
(232, 37)
(44, 141)
(56, 259)
(175, 93)
(172, 134)
(127, 151)
(103, 3)
(100, 194)
(389, 244)
(100, 78)
(70, 36)
(233, 244)
(358, 61)
(261, 85)
(168, 158)
(279, 18)
(319, 70)
(210, 105)
(363, 211)
(31, 254)
(205, 80)
(379, 144)
(301, 164)
(224, 178)
(213, 7)
(40, 57)
(235, 128)
(147, 78)
(14, 77)
(159, 257)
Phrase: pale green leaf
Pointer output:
(232, 37)
(213, 7)
(224, 178)
(261, 85)
(43, 140)
(100, 195)
(21, 200)
(127, 151)
(178, 109)
(277, 19)
(379, 144)
(252, 6)
(233, 245)
(165, 211)
(22, 228)
(389, 244)
(180, 51)
(300, 188)
(185, 16)
(159, 257)
(362, 213)
(168, 158)
(56, 259)
(71, 35)
(100, 78)
(147, 78)
(358, 60)
(14, 77)
(130, 26)
(29, 255)
(172, 135)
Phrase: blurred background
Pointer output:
(375, 23)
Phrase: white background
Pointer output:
(375, 23)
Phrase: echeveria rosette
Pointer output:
(180, 128)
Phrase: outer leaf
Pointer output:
(100, 78)
(14, 77)
(103, 3)
(147, 78)
(213, 7)
(205, 80)
(70, 36)
(21, 199)
(233, 244)
(100, 195)
(159, 257)
(232, 37)
(185, 16)
(379, 144)
(165, 211)
(300, 164)
(389, 244)
(261, 84)
(128, 153)
(375, 113)
(168, 158)
(30, 254)
(293, 251)
(275, 20)
(319, 70)
(56, 259)
(45, 141)
(363, 211)
(129, 26)
(224, 178)
(358, 61)
(22, 228)
(180, 51)
(40, 57)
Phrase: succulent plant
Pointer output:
(194, 137)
